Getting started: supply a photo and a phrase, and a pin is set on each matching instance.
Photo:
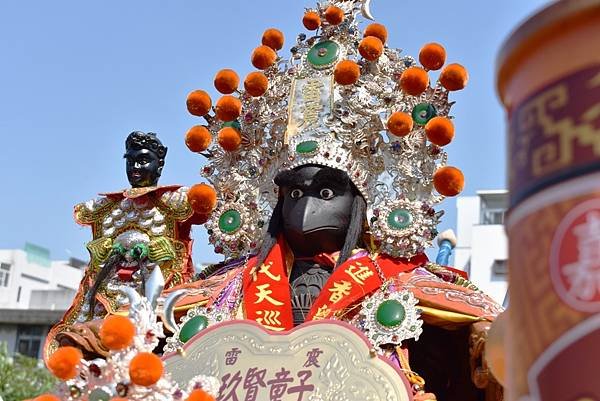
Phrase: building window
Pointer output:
(29, 340)
(4, 274)
(492, 216)
(500, 267)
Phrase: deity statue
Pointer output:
(327, 168)
(141, 239)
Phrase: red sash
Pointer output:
(267, 298)
(356, 279)
(266, 291)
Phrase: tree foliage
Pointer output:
(22, 377)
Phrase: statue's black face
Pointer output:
(143, 167)
(317, 208)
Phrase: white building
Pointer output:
(482, 249)
(34, 293)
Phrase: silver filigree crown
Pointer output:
(306, 117)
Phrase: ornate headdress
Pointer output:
(141, 140)
(344, 100)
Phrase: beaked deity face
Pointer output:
(143, 167)
(317, 209)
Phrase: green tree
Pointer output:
(22, 377)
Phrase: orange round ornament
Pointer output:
(226, 81)
(414, 81)
(200, 395)
(63, 363)
(377, 30)
(228, 108)
(400, 124)
(371, 48)
(454, 77)
(263, 57)
(117, 332)
(273, 38)
(198, 138)
(199, 103)
(334, 15)
(432, 56)
(230, 139)
(346, 72)
(46, 397)
(202, 199)
(440, 130)
(311, 20)
(448, 181)
(145, 369)
(256, 83)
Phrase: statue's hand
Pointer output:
(480, 373)
(84, 336)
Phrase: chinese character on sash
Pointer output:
(340, 290)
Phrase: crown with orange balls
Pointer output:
(343, 99)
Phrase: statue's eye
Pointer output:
(296, 193)
(327, 193)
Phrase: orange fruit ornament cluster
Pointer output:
(145, 369)
(64, 362)
(371, 47)
(117, 332)
(432, 56)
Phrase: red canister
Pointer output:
(548, 79)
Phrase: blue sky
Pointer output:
(77, 76)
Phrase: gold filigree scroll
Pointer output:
(550, 127)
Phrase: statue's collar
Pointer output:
(132, 193)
